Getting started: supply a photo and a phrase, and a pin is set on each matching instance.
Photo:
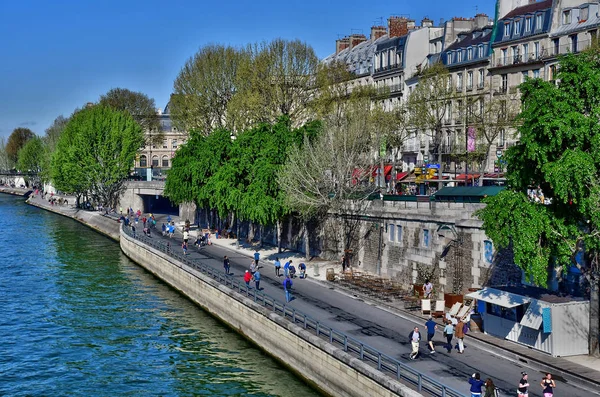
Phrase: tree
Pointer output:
(139, 106)
(274, 80)
(95, 154)
(16, 141)
(559, 152)
(204, 87)
(5, 163)
(428, 104)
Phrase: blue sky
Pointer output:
(57, 55)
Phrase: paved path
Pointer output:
(385, 330)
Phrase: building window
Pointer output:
(556, 46)
(566, 17)
(517, 27)
(524, 76)
(481, 78)
(450, 55)
(539, 20)
(459, 56)
(504, 86)
(391, 234)
(165, 144)
(514, 314)
(506, 29)
(481, 106)
(449, 83)
(480, 51)
(155, 161)
(398, 233)
(528, 24)
(536, 73)
(552, 72)
(174, 144)
(502, 138)
(469, 80)
(165, 161)
(459, 81)
(525, 52)
(536, 49)
(573, 43)
(594, 36)
(469, 54)
(448, 115)
(459, 105)
(504, 56)
(426, 238)
(584, 14)
(143, 161)
(488, 251)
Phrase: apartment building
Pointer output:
(157, 156)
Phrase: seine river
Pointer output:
(77, 318)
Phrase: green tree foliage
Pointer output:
(95, 153)
(139, 106)
(17, 139)
(204, 87)
(558, 152)
(31, 155)
(274, 80)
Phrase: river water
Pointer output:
(77, 318)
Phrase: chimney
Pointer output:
(356, 39)
(341, 44)
(426, 23)
(377, 32)
(397, 26)
(410, 24)
(481, 21)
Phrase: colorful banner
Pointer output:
(471, 139)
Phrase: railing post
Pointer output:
(362, 352)
(398, 374)
(420, 382)
(443, 391)
(318, 326)
(305, 325)
(254, 294)
(330, 335)
(345, 343)
(379, 361)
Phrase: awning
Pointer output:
(401, 175)
(499, 297)
(533, 316)
(494, 175)
(470, 176)
(386, 170)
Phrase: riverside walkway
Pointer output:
(383, 329)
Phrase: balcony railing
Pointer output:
(571, 48)
(387, 67)
(518, 59)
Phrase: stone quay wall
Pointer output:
(328, 368)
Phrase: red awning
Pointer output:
(464, 176)
(401, 175)
(386, 169)
(494, 175)
(436, 177)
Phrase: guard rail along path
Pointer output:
(332, 361)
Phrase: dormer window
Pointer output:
(518, 27)
(506, 29)
(469, 54)
(539, 20)
(449, 57)
(584, 14)
(480, 51)
(566, 17)
(528, 24)
(459, 56)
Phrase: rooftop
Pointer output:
(529, 8)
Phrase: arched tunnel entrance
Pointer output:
(159, 205)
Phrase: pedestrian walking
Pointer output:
(164, 229)
(490, 388)
(256, 258)
(184, 247)
(257, 280)
(343, 263)
(449, 333)
(415, 338)
(459, 332)
(226, 265)
(476, 384)
(247, 278)
(548, 385)
(287, 286)
(252, 268)
(277, 267)
(186, 236)
(133, 229)
(523, 390)
(431, 327)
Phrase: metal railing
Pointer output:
(364, 352)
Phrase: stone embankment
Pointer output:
(15, 191)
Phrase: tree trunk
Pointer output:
(237, 234)
(594, 333)
(279, 236)
(306, 240)
(260, 235)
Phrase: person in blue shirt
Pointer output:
(257, 280)
(256, 258)
(164, 229)
(277, 267)
(476, 384)
(431, 327)
(302, 268)
(286, 268)
(287, 286)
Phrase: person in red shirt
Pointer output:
(247, 278)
